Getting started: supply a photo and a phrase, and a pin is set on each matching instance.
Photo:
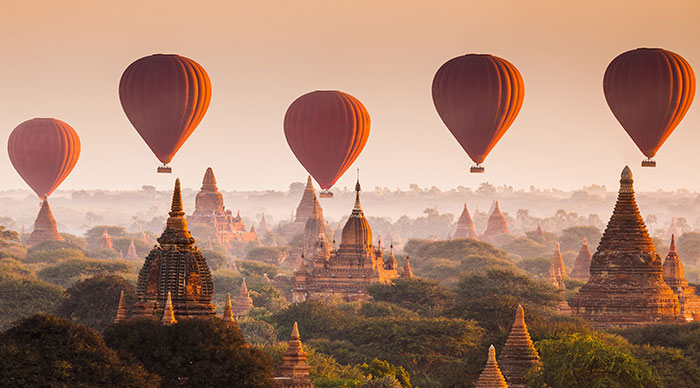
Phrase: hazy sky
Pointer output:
(64, 59)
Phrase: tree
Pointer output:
(685, 337)
(93, 302)
(202, 352)
(586, 361)
(315, 320)
(572, 238)
(256, 332)
(24, 296)
(379, 369)
(8, 237)
(689, 247)
(383, 382)
(525, 247)
(426, 297)
(270, 255)
(267, 296)
(215, 260)
(47, 351)
(70, 271)
(94, 234)
(253, 269)
(674, 369)
(53, 251)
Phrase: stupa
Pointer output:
(558, 262)
(131, 252)
(582, 264)
(674, 276)
(307, 205)
(518, 354)
(348, 270)
(122, 313)
(44, 226)
(491, 376)
(496, 224)
(209, 209)
(294, 371)
(407, 273)
(243, 301)
(465, 226)
(626, 287)
(175, 268)
(228, 317)
(264, 227)
(539, 233)
(106, 240)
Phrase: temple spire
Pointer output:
(209, 181)
(44, 226)
(582, 264)
(228, 311)
(407, 273)
(518, 354)
(121, 309)
(358, 188)
(558, 261)
(491, 376)
(168, 313)
(176, 231)
(294, 370)
(243, 302)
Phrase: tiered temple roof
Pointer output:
(407, 273)
(210, 210)
(626, 287)
(294, 371)
(491, 376)
(496, 224)
(243, 301)
(106, 240)
(228, 317)
(518, 354)
(307, 205)
(465, 226)
(175, 267)
(582, 264)
(44, 226)
(345, 271)
(168, 311)
(264, 227)
(122, 313)
(131, 252)
(674, 276)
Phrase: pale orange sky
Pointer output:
(64, 60)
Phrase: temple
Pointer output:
(294, 371)
(465, 226)
(407, 273)
(228, 317)
(491, 376)
(674, 276)
(176, 269)
(496, 224)
(348, 270)
(44, 226)
(558, 262)
(308, 207)
(122, 313)
(313, 238)
(263, 227)
(131, 252)
(243, 302)
(626, 286)
(582, 264)
(210, 210)
(106, 240)
(518, 354)
(539, 233)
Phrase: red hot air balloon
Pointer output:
(326, 131)
(478, 97)
(165, 97)
(649, 91)
(44, 152)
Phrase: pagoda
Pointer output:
(264, 227)
(496, 224)
(131, 252)
(626, 286)
(518, 354)
(673, 229)
(175, 268)
(209, 209)
(491, 376)
(243, 301)
(44, 226)
(558, 262)
(539, 233)
(307, 205)
(347, 270)
(582, 263)
(314, 230)
(465, 226)
(228, 317)
(122, 313)
(674, 276)
(407, 273)
(294, 371)
(106, 240)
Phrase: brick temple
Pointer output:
(44, 226)
(496, 224)
(582, 263)
(348, 270)
(626, 286)
(465, 226)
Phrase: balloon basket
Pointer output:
(326, 194)
(648, 163)
(165, 169)
(477, 169)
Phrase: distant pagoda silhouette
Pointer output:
(518, 354)
(491, 376)
(496, 224)
(465, 226)
(674, 276)
(582, 264)
(626, 287)
(44, 226)
(175, 269)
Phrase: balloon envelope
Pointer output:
(478, 97)
(326, 131)
(43, 151)
(165, 97)
(649, 91)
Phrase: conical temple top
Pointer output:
(176, 232)
(491, 376)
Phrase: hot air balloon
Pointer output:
(43, 151)
(165, 97)
(326, 131)
(478, 97)
(649, 91)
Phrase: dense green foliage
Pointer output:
(93, 302)
(192, 353)
(70, 271)
(46, 351)
(24, 296)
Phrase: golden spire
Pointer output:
(518, 354)
(491, 376)
(228, 311)
(168, 313)
(407, 273)
(121, 309)
(358, 188)
(558, 261)
(176, 231)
